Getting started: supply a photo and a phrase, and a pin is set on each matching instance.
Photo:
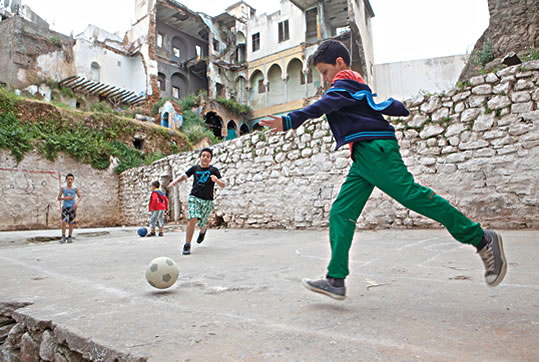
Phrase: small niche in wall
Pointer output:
(138, 143)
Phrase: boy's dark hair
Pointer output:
(206, 149)
(69, 174)
(328, 52)
(156, 184)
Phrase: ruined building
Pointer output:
(172, 51)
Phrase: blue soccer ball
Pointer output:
(142, 231)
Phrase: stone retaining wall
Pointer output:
(477, 146)
(29, 193)
(24, 338)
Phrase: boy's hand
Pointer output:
(275, 123)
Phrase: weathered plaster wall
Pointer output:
(114, 68)
(29, 193)
(403, 80)
(30, 53)
(477, 146)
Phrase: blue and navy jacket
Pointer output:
(351, 112)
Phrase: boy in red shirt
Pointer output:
(158, 206)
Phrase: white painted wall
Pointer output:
(115, 69)
(267, 26)
(403, 80)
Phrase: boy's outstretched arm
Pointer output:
(177, 180)
(275, 123)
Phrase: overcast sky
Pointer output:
(402, 29)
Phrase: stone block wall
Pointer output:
(29, 193)
(477, 146)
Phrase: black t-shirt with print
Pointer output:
(202, 183)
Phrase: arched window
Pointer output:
(162, 82)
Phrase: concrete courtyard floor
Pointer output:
(412, 295)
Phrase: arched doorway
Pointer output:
(231, 130)
(164, 120)
(214, 123)
(244, 129)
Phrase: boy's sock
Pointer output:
(336, 282)
(332, 287)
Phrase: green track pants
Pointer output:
(379, 163)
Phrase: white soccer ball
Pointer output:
(162, 272)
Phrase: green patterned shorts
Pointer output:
(200, 209)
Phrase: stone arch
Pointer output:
(178, 81)
(162, 82)
(240, 87)
(296, 79)
(276, 85)
(214, 122)
(257, 91)
(244, 129)
(231, 130)
(179, 43)
(313, 81)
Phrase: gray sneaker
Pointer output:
(186, 249)
(69, 240)
(62, 240)
(323, 286)
(494, 258)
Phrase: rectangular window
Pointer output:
(198, 49)
(176, 92)
(176, 52)
(261, 87)
(311, 18)
(256, 42)
(310, 76)
(216, 45)
(159, 40)
(283, 31)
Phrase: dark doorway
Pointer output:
(214, 124)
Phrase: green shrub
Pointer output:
(14, 136)
(101, 107)
(485, 55)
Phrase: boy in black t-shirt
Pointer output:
(200, 199)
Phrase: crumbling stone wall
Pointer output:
(31, 53)
(477, 146)
(25, 338)
(513, 26)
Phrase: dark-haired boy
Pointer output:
(157, 208)
(200, 202)
(355, 119)
(70, 197)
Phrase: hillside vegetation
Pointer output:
(89, 137)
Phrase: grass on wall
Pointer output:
(93, 146)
